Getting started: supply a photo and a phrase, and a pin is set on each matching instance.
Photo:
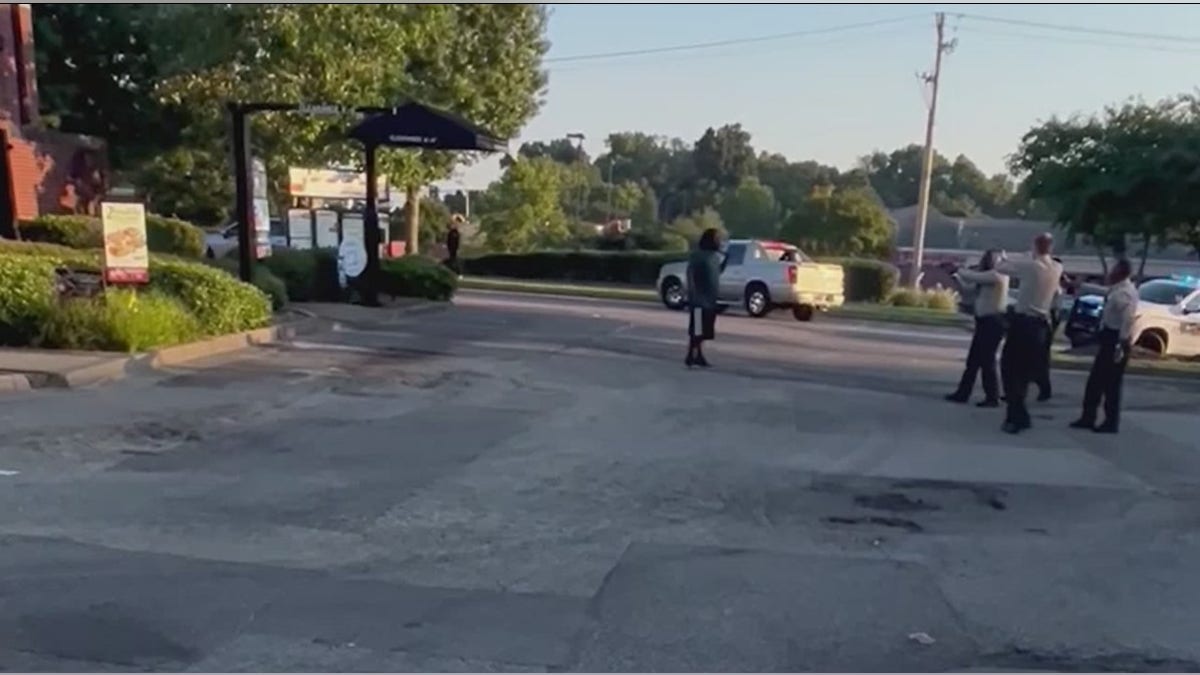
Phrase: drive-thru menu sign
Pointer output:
(126, 252)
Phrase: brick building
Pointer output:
(43, 171)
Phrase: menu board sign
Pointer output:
(126, 252)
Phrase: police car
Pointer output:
(1167, 321)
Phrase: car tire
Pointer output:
(671, 294)
(757, 300)
(1154, 342)
(803, 312)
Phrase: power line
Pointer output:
(1083, 29)
(1079, 41)
(720, 53)
(732, 41)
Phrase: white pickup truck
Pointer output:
(763, 275)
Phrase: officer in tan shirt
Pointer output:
(1029, 327)
(1108, 370)
(990, 300)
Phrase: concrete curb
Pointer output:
(118, 367)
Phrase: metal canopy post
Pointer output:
(371, 239)
(244, 208)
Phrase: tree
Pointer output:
(840, 222)
(1117, 178)
(690, 227)
(96, 73)
(524, 212)
(724, 156)
(645, 214)
(186, 184)
(750, 210)
(561, 150)
(482, 62)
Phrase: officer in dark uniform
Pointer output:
(1108, 369)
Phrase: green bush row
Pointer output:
(865, 280)
(311, 276)
(184, 300)
(163, 235)
(942, 299)
(622, 267)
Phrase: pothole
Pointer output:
(894, 501)
(881, 521)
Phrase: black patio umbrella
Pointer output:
(411, 125)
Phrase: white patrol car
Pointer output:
(1167, 320)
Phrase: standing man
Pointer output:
(1029, 327)
(990, 298)
(1043, 379)
(453, 240)
(1108, 370)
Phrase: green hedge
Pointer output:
(865, 280)
(163, 235)
(262, 279)
(624, 267)
(30, 314)
(417, 277)
(311, 276)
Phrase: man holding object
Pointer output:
(1108, 370)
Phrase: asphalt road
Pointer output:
(529, 483)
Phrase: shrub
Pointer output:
(867, 280)
(416, 277)
(220, 302)
(163, 235)
(262, 278)
(628, 267)
(177, 237)
(70, 231)
(26, 293)
(120, 320)
(310, 276)
(55, 252)
(941, 299)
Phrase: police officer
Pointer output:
(1043, 378)
(1108, 370)
(1029, 327)
(990, 298)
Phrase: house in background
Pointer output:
(42, 171)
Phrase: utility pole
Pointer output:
(932, 80)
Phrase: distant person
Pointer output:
(1108, 369)
(1029, 327)
(703, 279)
(990, 298)
(1045, 391)
(453, 241)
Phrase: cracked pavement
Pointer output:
(536, 484)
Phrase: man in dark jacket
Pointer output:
(703, 278)
(453, 240)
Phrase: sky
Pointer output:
(836, 96)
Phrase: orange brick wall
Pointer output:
(51, 172)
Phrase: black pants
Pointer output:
(1020, 363)
(1104, 382)
(981, 358)
(1043, 379)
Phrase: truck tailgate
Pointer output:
(821, 284)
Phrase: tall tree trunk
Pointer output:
(412, 218)
(1145, 253)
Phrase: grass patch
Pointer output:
(1167, 367)
(572, 290)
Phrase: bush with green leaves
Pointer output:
(940, 299)
(221, 303)
(26, 293)
(123, 320)
(866, 280)
(622, 267)
(416, 277)
(262, 278)
(163, 235)
(309, 275)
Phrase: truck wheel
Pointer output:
(757, 300)
(672, 293)
(803, 312)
